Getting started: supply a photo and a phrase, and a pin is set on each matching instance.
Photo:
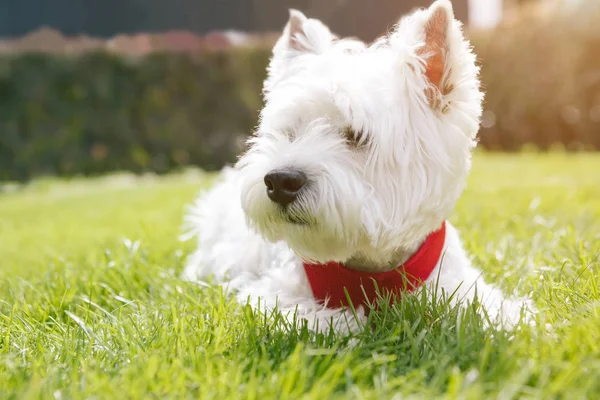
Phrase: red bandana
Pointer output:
(329, 280)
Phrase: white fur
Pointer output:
(369, 206)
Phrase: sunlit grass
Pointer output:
(91, 305)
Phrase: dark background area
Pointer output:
(104, 18)
(170, 89)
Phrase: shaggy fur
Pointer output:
(384, 134)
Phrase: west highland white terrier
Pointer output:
(358, 160)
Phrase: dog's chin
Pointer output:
(314, 243)
(306, 231)
(311, 241)
(317, 250)
(295, 221)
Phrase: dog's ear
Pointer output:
(293, 33)
(432, 42)
(301, 36)
(435, 51)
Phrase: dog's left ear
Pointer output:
(435, 51)
(442, 54)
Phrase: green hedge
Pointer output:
(98, 112)
(541, 75)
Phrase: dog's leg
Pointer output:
(456, 275)
(267, 275)
(285, 288)
(226, 248)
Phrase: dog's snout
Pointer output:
(283, 186)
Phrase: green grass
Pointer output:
(91, 305)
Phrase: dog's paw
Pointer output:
(513, 313)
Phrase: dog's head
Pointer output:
(362, 150)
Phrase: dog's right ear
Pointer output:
(301, 36)
(293, 33)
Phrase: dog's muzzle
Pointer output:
(283, 185)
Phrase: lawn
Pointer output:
(91, 305)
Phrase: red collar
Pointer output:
(329, 280)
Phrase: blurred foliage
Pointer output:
(541, 75)
(98, 112)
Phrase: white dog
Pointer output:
(360, 156)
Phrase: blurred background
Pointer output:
(90, 87)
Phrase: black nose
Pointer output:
(283, 186)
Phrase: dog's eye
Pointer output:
(353, 138)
